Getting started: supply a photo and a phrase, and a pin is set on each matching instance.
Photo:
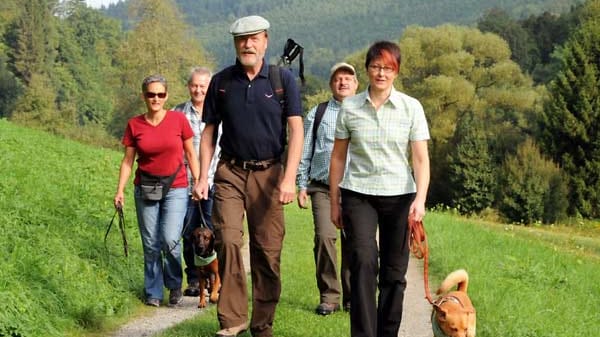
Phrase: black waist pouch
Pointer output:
(155, 188)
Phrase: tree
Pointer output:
(160, 43)
(36, 106)
(570, 124)
(32, 39)
(456, 70)
(10, 89)
(522, 45)
(531, 186)
(87, 44)
(471, 175)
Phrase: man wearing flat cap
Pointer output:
(250, 178)
(313, 179)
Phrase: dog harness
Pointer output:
(200, 261)
(437, 331)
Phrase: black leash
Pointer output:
(119, 211)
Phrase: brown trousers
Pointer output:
(256, 194)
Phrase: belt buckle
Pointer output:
(248, 165)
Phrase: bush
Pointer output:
(533, 189)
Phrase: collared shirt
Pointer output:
(193, 116)
(254, 123)
(316, 166)
(379, 142)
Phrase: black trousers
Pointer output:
(375, 266)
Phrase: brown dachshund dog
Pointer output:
(207, 264)
(453, 313)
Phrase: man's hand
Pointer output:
(287, 190)
(302, 199)
(200, 190)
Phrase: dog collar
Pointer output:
(200, 261)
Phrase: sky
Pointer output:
(99, 3)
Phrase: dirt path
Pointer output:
(415, 322)
(417, 311)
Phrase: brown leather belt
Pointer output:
(250, 165)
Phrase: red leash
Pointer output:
(419, 248)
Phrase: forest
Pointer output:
(511, 92)
(330, 30)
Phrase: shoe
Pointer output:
(175, 297)
(153, 302)
(192, 290)
(233, 331)
(327, 308)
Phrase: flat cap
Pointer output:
(249, 25)
(341, 65)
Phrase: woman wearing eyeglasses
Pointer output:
(159, 138)
(383, 133)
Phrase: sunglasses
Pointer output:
(155, 94)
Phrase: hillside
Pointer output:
(329, 31)
(58, 277)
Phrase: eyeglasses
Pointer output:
(155, 94)
(374, 68)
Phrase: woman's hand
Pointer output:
(119, 200)
(336, 215)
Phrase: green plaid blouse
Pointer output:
(378, 159)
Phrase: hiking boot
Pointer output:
(153, 302)
(327, 308)
(192, 290)
(347, 306)
(175, 297)
(233, 331)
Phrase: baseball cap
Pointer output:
(341, 65)
(249, 25)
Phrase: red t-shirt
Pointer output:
(159, 148)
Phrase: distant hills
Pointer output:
(331, 30)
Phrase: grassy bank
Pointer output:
(55, 203)
(58, 278)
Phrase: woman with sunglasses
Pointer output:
(159, 138)
(379, 189)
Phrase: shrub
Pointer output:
(533, 189)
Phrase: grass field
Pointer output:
(59, 279)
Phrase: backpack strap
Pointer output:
(276, 84)
(318, 117)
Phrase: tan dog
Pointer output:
(207, 264)
(453, 313)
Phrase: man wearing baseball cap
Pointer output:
(313, 179)
(250, 178)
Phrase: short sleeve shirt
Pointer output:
(159, 148)
(378, 151)
(253, 120)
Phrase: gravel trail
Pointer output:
(415, 322)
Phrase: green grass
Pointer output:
(55, 203)
(58, 279)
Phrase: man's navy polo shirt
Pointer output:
(254, 125)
